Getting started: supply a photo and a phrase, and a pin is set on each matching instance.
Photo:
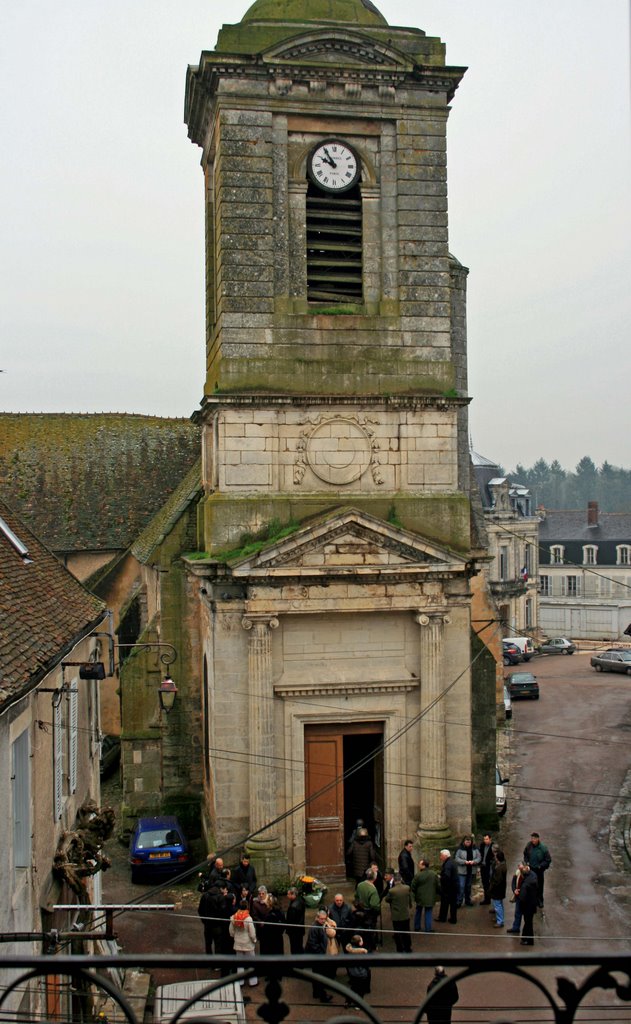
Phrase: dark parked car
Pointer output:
(612, 661)
(523, 684)
(511, 653)
(158, 848)
(558, 645)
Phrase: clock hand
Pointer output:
(329, 159)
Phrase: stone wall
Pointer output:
(335, 668)
(301, 450)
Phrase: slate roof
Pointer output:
(189, 490)
(486, 473)
(569, 528)
(91, 482)
(44, 610)
(565, 525)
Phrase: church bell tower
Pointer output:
(336, 511)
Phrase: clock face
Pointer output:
(333, 165)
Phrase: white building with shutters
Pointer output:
(49, 739)
(585, 573)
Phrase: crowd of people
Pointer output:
(237, 913)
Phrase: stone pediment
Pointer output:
(349, 542)
(338, 47)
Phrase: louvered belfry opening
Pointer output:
(334, 245)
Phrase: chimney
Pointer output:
(592, 513)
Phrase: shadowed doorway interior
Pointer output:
(335, 803)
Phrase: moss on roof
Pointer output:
(356, 12)
(91, 482)
(189, 490)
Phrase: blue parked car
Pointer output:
(158, 848)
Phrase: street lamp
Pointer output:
(167, 692)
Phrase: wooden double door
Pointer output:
(343, 782)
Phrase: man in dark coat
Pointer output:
(361, 853)
(341, 912)
(486, 864)
(497, 887)
(538, 856)
(439, 1007)
(448, 888)
(215, 907)
(317, 943)
(406, 862)
(244, 874)
(295, 920)
(528, 903)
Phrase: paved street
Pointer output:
(567, 756)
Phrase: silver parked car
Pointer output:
(501, 801)
(612, 661)
(558, 645)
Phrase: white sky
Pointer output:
(102, 297)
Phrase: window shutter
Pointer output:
(58, 761)
(73, 718)
(21, 787)
(334, 246)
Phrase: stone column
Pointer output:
(263, 768)
(433, 829)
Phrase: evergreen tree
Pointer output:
(554, 487)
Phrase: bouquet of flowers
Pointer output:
(311, 889)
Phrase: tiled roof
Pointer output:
(563, 525)
(44, 610)
(92, 482)
(189, 490)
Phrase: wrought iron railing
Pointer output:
(533, 986)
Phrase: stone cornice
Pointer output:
(213, 403)
(316, 576)
(203, 81)
(289, 690)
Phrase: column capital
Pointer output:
(250, 621)
(434, 617)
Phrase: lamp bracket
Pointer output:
(167, 657)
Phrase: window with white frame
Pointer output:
(590, 554)
(544, 585)
(604, 586)
(571, 586)
(528, 559)
(21, 799)
(556, 554)
(528, 613)
(623, 554)
(503, 562)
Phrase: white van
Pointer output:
(224, 1005)
(524, 643)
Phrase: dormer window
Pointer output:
(556, 554)
(623, 554)
(590, 553)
